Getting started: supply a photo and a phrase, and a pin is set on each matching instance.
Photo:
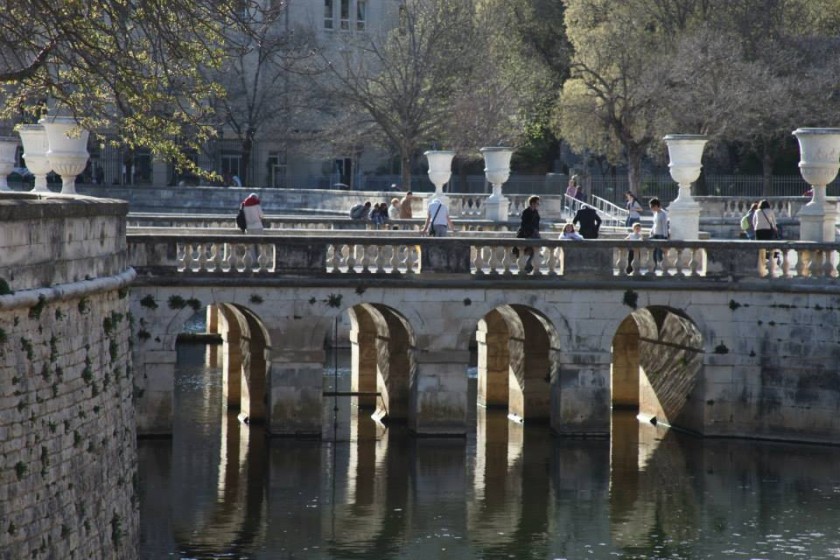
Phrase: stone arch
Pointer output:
(246, 349)
(382, 359)
(517, 361)
(657, 358)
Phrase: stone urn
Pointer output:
(67, 151)
(497, 171)
(34, 140)
(440, 171)
(819, 160)
(685, 152)
(8, 150)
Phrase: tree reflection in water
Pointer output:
(220, 489)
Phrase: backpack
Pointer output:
(745, 222)
(240, 218)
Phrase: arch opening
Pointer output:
(517, 359)
(657, 357)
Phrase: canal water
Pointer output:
(221, 489)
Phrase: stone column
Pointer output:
(363, 363)
(439, 393)
(580, 396)
(493, 361)
(231, 365)
(211, 356)
(625, 365)
(252, 402)
(296, 380)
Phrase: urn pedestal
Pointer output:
(34, 140)
(497, 171)
(685, 152)
(819, 160)
(440, 171)
(8, 149)
(67, 151)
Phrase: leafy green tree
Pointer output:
(131, 67)
(609, 103)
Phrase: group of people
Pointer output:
(590, 224)
(381, 214)
(760, 222)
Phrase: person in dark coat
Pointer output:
(529, 228)
(589, 220)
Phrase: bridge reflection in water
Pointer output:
(219, 488)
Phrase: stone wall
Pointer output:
(67, 435)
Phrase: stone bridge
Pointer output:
(723, 338)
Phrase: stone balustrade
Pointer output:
(785, 207)
(398, 256)
(308, 222)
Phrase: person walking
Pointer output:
(747, 225)
(253, 213)
(589, 220)
(764, 222)
(529, 228)
(438, 222)
(659, 229)
(405, 206)
(572, 187)
(634, 209)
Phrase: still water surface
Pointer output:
(219, 489)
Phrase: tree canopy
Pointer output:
(130, 67)
(745, 72)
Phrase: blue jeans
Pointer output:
(630, 221)
(657, 253)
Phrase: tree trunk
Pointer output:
(634, 168)
(405, 169)
(247, 148)
(766, 172)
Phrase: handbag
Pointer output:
(432, 223)
(241, 223)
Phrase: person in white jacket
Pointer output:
(253, 214)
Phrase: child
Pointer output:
(634, 235)
(570, 233)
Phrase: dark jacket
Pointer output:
(530, 225)
(590, 222)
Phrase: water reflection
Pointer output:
(222, 490)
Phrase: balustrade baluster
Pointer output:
(330, 258)
(482, 260)
(827, 266)
(224, 257)
(212, 262)
(181, 256)
(351, 258)
(390, 259)
(647, 262)
(204, 259)
(374, 258)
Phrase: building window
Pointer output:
(231, 167)
(345, 15)
(328, 14)
(361, 14)
(277, 169)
